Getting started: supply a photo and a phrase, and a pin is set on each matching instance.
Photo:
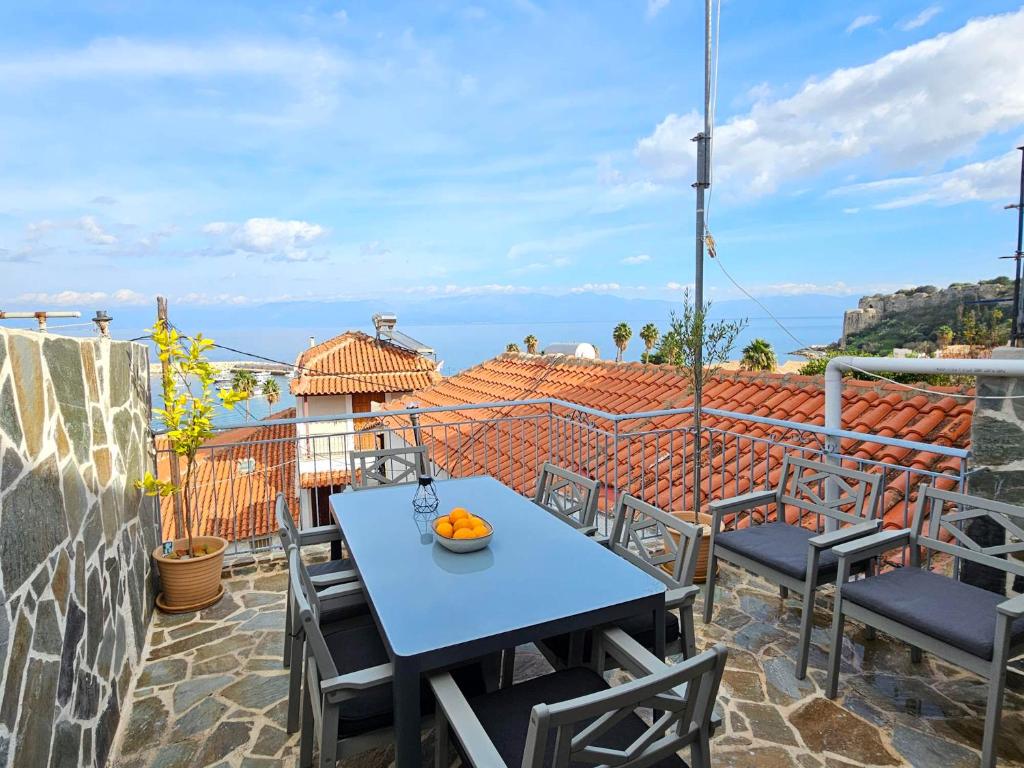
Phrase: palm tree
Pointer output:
(649, 335)
(758, 355)
(512, 348)
(944, 336)
(272, 392)
(531, 344)
(245, 382)
(621, 336)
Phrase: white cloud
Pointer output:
(861, 22)
(288, 239)
(919, 106)
(921, 19)
(82, 298)
(838, 288)
(993, 180)
(128, 296)
(94, 233)
(642, 258)
(566, 243)
(654, 7)
(596, 288)
(215, 298)
(133, 59)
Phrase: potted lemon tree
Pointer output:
(189, 566)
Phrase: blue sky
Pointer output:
(238, 153)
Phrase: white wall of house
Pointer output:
(325, 438)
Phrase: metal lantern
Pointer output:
(425, 501)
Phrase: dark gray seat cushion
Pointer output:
(331, 615)
(946, 609)
(505, 714)
(640, 628)
(330, 567)
(356, 644)
(780, 546)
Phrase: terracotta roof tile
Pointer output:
(513, 450)
(355, 362)
(236, 479)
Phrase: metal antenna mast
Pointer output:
(703, 140)
(1017, 327)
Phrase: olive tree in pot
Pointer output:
(691, 337)
(190, 571)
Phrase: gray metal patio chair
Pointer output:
(650, 539)
(790, 555)
(963, 624)
(573, 716)
(568, 496)
(337, 575)
(388, 466)
(347, 703)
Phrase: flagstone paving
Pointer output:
(213, 693)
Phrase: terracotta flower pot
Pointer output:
(700, 575)
(194, 582)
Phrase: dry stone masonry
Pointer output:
(75, 538)
(997, 460)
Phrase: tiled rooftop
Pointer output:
(212, 690)
(228, 501)
(355, 362)
(877, 408)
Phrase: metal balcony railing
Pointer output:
(649, 454)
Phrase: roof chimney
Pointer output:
(312, 342)
(385, 323)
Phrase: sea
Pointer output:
(461, 346)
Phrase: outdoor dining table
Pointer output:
(538, 577)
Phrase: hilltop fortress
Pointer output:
(872, 309)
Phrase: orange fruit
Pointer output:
(464, 533)
(444, 528)
(462, 523)
(479, 531)
(457, 513)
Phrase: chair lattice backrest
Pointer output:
(567, 495)
(307, 606)
(392, 466)
(652, 539)
(288, 532)
(805, 485)
(949, 513)
(683, 696)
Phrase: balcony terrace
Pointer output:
(211, 690)
(93, 676)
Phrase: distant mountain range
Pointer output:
(466, 330)
(477, 309)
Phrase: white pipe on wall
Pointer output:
(916, 365)
(919, 365)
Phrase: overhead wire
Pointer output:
(713, 249)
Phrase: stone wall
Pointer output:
(997, 459)
(75, 538)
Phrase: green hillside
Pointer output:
(940, 322)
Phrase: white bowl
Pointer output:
(462, 546)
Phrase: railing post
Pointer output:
(615, 459)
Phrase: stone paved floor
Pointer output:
(212, 691)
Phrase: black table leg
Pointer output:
(406, 689)
(659, 631)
